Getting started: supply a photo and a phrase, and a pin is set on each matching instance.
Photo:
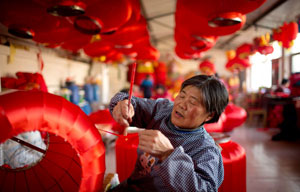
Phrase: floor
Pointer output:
(272, 166)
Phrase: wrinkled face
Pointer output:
(188, 111)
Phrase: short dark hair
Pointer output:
(284, 81)
(214, 94)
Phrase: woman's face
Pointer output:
(188, 111)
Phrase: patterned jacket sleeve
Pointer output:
(179, 172)
(144, 108)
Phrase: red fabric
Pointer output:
(234, 161)
(25, 81)
(104, 117)
(126, 155)
(23, 111)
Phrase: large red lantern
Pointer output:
(234, 161)
(203, 18)
(235, 117)
(26, 18)
(112, 20)
(216, 127)
(98, 48)
(128, 33)
(60, 169)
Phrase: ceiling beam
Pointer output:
(163, 24)
(161, 15)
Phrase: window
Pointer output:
(295, 65)
(260, 72)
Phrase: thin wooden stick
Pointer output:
(28, 145)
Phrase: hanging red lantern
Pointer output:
(207, 67)
(245, 50)
(187, 53)
(191, 15)
(113, 55)
(75, 44)
(98, 48)
(127, 34)
(112, 20)
(26, 18)
(265, 50)
(193, 43)
(147, 52)
(24, 111)
(160, 73)
(289, 33)
(136, 10)
(237, 64)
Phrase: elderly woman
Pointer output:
(175, 153)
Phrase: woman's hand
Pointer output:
(155, 143)
(122, 114)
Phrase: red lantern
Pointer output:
(191, 15)
(98, 48)
(235, 117)
(216, 127)
(234, 161)
(112, 20)
(184, 53)
(237, 64)
(265, 50)
(245, 50)
(126, 155)
(289, 33)
(128, 33)
(147, 52)
(26, 18)
(207, 67)
(160, 73)
(193, 43)
(24, 111)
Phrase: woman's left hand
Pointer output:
(155, 143)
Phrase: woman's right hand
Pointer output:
(122, 114)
